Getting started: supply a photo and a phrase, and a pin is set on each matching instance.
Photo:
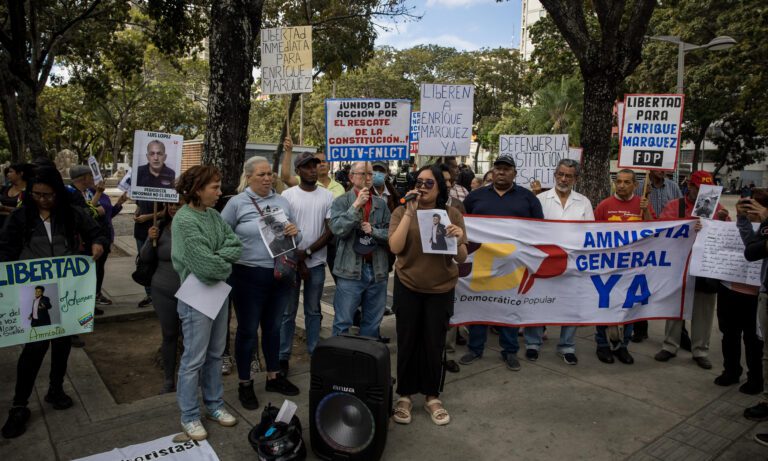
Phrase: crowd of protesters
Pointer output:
(353, 223)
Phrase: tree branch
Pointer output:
(568, 15)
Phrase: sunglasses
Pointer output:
(43, 195)
(425, 183)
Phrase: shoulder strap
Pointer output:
(256, 205)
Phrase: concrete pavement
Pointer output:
(548, 410)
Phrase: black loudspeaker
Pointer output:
(350, 398)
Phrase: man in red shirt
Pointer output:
(624, 205)
(705, 294)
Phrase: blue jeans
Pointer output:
(313, 291)
(139, 244)
(567, 344)
(259, 300)
(602, 339)
(366, 292)
(200, 364)
(478, 335)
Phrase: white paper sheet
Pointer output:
(206, 299)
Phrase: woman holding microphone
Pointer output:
(423, 292)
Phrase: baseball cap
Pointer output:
(505, 158)
(304, 158)
(701, 177)
(78, 171)
(364, 244)
(380, 164)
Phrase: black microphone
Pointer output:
(408, 198)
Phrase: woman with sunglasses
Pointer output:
(47, 225)
(165, 284)
(423, 292)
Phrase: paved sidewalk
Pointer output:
(548, 410)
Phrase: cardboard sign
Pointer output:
(156, 159)
(93, 164)
(446, 119)
(415, 127)
(286, 60)
(650, 131)
(367, 129)
(718, 253)
(536, 156)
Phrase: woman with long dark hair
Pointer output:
(47, 225)
(423, 294)
(12, 195)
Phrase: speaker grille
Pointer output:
(344, 422)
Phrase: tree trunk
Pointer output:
(599, 97)
(284, 132)
(30, 122)
(11, 116)
(697, 142)
(232, 41)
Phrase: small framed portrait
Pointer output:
(433, 226)
(706, 201)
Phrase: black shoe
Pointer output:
(531, 355)
(685, 341)
(460, 340)
(145, 302)
(757, 413)
(16, 423)
(385, 339)
(452, 366)
(762, 439)
(570, 358)
(98, 311)
(726, 379)
(751, 387)
(247, 397)
(624, 356)
(284, 367)
(58, 399)
(388, 311)
(663, 356)
(76, 341)
(281, 385)
(604, 354)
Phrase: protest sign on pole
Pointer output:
(718, 253)
(414, 133)
(528, 272)
(93, 164)
(619, 116)
(163, 448)
(367, 129)
(650, 131)
(46, 298)
(286, 60)
(446, 119)
(536, 156)
(156, 159)
(575, 153)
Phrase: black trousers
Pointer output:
(100, 265)
(737, 320)
(422, 321)
(29, 365)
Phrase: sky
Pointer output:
(462, 24)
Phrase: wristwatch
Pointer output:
(308, 252)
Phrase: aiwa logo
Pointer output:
(503, 266)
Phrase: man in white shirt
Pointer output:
(311, 208)
(562, 203)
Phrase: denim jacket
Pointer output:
(345, 220)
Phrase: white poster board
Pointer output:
(163, 448)
(156, 161)
(286, 60)
(718, 253)
(367, 129)
(650, 131)
(93, 164)
(446, 119)
(536, 156)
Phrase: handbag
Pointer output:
(286, 265)
(145, 269)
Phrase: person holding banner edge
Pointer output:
(47, 225)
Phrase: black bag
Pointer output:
(145, 269)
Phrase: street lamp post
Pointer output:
(716, 44)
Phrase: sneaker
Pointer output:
(751, 387)
(16, 423)
(247, 397)
(624, 356)
(604, 355)
(511, 361)
(451, 366)
(762, 439)
(757, 413)
(222, 416)
(194, 430)
(226, 365)
(255, 367)
(468, 358)
(531, 355)
(284, 367)
(76, 341)
(570, 358)
(58, 399)
(103, 300)
(388, 311)
(703, 362)
(281, 385)
(146, 302)
(663, 356)
(726, 379)
(98, 311)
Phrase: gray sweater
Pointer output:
(165, 277)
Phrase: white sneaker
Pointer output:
(223, 417)
(255, 367)
(226, 365)
(194, 430)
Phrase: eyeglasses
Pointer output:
(425, 183)
(565, 176)
(369, 175)
(43, 195)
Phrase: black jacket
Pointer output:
(43, 313)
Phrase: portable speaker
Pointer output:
(350, 398)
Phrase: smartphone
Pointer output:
(746, 193)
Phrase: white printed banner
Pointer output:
(367, 129)
(286, 60)
(532, 272)
(719, 254)
(536, 156)
(446, 119)
(650, 131)
(162, 449)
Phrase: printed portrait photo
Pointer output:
(39, 305)
(433, 226)
(272, 230)
(706, 201)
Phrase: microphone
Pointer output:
(408, 198)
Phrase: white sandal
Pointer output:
(440, 415)
(402, 413)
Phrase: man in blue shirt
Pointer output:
(501, 198)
